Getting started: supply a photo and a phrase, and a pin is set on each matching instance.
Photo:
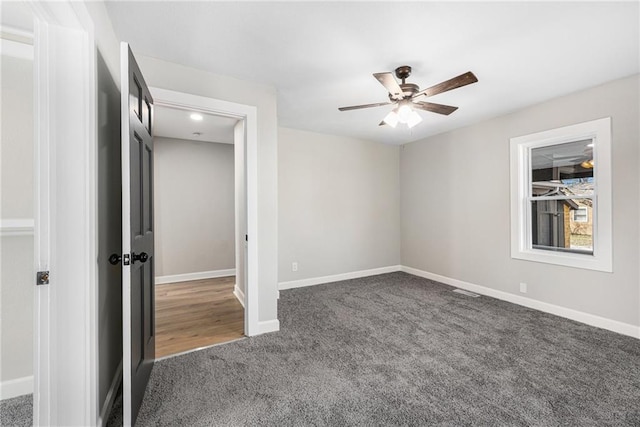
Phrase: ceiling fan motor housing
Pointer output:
(408, 90)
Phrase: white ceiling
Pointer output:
(320, 55)
(177, 123)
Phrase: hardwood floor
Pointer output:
(196, 314)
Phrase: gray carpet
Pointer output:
(396, 349)
(17, 412)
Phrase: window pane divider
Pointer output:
(538, 198)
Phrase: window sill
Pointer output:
(566, 259)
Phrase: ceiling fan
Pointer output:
(404, 96)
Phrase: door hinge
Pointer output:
(125, 259)
(246, 237)
(42, 278)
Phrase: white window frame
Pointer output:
(521, 240)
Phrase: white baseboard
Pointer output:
(268, 326)
(15, 388)
(111, 397)
(239, 294)
(186, 277)
(338, 277)
(568, 313)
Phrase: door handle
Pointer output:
(114, 259)
(142, 257)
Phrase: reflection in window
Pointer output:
(561, 196)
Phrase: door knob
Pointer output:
(142, 257)
(114, 259)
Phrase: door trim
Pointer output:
(249, 114)
(65, 215)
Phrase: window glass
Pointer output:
(553, 227)
(563, 169)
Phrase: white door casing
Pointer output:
(249, 115)
(65, 311)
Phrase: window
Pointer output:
(561, 196)
(581, 215)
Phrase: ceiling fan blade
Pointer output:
(454, 83)
(357, 107)
(435, 108)
(391, 84)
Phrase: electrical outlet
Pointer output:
(523, 288)
(294, 266)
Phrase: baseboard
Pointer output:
(568, 313)
(111, 397)
(337, 277)
(186, 277)
(15, 388)
(239, 294)
(268, 326)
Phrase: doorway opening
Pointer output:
(246, 189)
(198, 216)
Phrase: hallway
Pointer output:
(195, 314)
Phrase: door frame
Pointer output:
(249, 115)
(65, 215)
(66, 356)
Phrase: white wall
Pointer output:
(167, 75)
(339, 201)
(455, 205)
(194, 209)
(17, 138)
(106, 39)
(16, 191)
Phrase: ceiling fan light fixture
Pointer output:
(404, 112)
(392, 119)
(587, 164)
(414, 119)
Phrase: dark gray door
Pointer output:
(137, 235)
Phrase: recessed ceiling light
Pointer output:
(197, 133)
(197, 117)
